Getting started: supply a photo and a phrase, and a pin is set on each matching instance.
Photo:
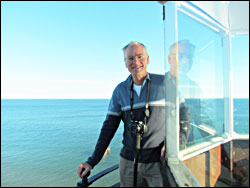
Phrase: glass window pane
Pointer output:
(195, 62)
(240, 90)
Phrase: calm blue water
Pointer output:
(43, 141)
(241, 116)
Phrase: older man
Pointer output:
(139, 102)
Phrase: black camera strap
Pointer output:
(132, 100)
(138, 135)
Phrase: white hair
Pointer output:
(189, 47)
(132, 43)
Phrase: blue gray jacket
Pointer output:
(119, 109)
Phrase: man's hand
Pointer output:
(80, 171)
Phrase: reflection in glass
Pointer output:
(196, 67)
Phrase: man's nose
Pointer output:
(136, 60)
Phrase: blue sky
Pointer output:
(74, 49)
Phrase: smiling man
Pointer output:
(136, 60)
(139, 102)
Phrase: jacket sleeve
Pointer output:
(185, 125)
(108, 130)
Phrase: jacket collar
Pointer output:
(128, 81)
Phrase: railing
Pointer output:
(88, 181)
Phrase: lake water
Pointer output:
(44, 141)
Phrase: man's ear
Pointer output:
(169, 59)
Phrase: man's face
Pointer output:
(183, 60)
(136, 60)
